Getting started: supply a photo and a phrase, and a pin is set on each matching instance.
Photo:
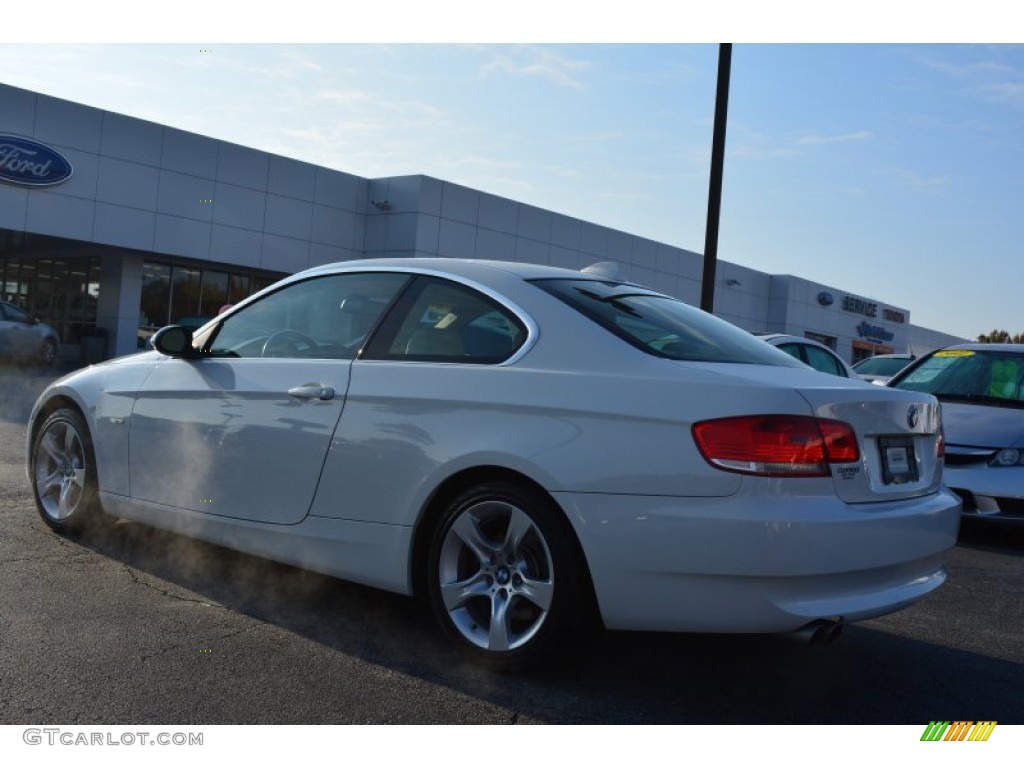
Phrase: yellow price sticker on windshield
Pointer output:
(954, 353)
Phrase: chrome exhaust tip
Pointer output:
(819, 632)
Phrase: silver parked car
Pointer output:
(24, 337)
(880, 368)
(514, 443)
(981, 388)
(810, 352)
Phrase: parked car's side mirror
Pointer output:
(174, 340)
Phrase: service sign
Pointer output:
(27, 162)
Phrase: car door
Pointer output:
(427, 373)
(242, 431)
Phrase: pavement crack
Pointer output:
(137, 579)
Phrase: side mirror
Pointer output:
(175, 341)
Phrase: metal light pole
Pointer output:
(707, 290)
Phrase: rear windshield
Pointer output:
(663, 326)
(882, 366)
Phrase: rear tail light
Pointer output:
(776, 446)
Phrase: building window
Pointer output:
(862, 350)
(190, 295)
(184, 294)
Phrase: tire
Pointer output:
(63, 472)
(503, 575)
(47, 352)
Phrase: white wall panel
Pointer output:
(498, 214)
(238, 206)
(68, 124)
(13, 207)
(456, 239)
(231, 245)
(60, 215)
(189, 153)
(129, 139)
(459, 204)
(284, 254)
(129, 184)
(292, 178)
(288, 217)
(495, 246)
(18, 115)
(184, 195)
(128, 227)
(242, 167)
(182, 237)
(337, 189)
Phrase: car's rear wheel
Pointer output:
(503, 574)
(64, 472)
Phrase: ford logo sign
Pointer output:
(825, 298)
(24, 161)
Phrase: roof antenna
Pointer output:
(610, 269)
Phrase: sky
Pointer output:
(891, 170)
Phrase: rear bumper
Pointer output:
(757, 563)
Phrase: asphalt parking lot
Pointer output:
(131, 625)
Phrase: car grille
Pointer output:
(983, 505)
(954, 459)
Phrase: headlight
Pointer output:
(1008, 457)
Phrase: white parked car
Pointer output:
(515, 443)
(23, 337)
(810, 352)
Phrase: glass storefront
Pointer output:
(62, 292)
(189, 294)
(58, 281)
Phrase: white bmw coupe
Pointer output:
(518, 444)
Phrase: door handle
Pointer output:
(312, 391)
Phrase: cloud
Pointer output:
(907, 178)
(1005, 93)
(531, 61)
(844, 137)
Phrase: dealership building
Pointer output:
(111, 227)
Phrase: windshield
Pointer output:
(882, 366)
(663, 326)
(993, 377)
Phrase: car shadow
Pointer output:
(873, 674)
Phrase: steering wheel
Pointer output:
(288, 344)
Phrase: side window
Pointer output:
(823, 361)
(324, 318)
(793, 350)
(443, 321)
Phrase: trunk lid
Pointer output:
(897, 430)
(898, 434)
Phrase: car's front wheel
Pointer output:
(64, 472)
(503, 574)
(47, 352)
